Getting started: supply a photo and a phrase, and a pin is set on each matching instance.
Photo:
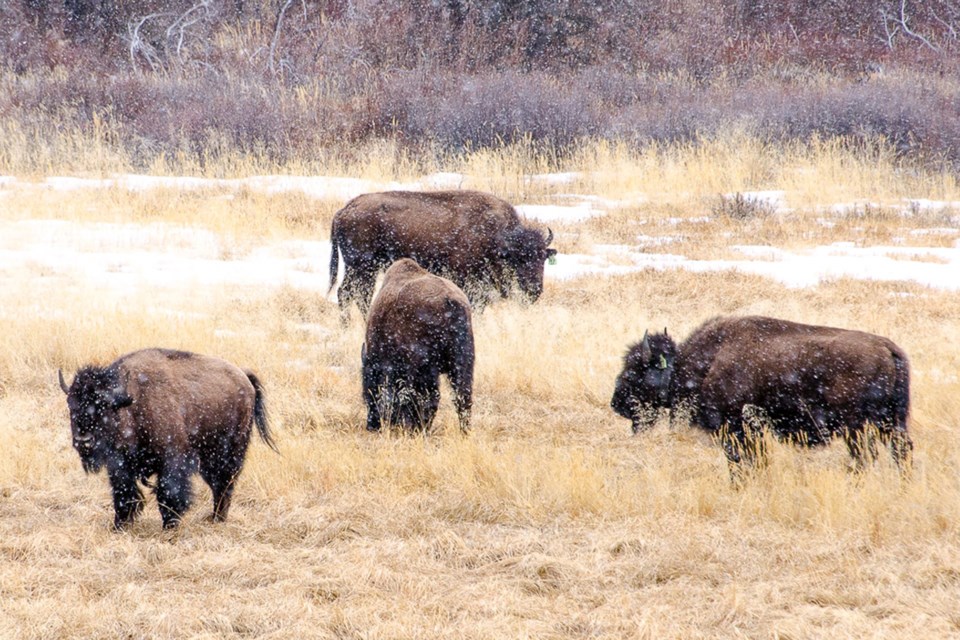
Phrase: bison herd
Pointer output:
(167, 414)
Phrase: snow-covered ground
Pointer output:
(937, 267)
(124, 257)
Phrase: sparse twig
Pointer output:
(950, 28)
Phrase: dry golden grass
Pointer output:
(548, 521)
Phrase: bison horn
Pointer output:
(63, 384)
(645, 352)
(549, 236)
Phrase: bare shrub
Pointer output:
(741, 207)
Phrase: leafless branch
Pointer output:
(276, 36)
(139, 47)
(891, 34)
(910, 32)
(182, 23)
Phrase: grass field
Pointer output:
(549, 520)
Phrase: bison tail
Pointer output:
(334, 256)
(901, 390)
(260, 412)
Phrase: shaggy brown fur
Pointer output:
(809, 382)
(169, 414)
(475, 239)
(419, 328)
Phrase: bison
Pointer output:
(807, 382)
(475, 239)
(419, 327)
(170, 414)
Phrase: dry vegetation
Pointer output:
(549, 520)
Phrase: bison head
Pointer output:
(95, 398)
(643, 387)
(524, 252)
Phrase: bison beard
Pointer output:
(475, 239)
(170, 414)
(809, 383)
(419, 328)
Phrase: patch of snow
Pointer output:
(657, 241)
(560, 213)
(443, 181)
(677, 220)
(129, 257)
(937, 231)
(846, 208)
(795, 269)
(598, 201)
(555, 178)
(924, 204)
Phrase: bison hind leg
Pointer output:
(357, 286)
(221, 481)
(862, 445)
(901, 446)
(174, 492)
(418, 407)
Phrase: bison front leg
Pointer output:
(174, 492)
(127, 498)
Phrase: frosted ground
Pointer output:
(123, 257)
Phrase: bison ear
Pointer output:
(121, 400)
(117, 397)
(551, 253)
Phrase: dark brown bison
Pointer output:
(418, 329)
(475, 239)
(807, 382)
(169, 414)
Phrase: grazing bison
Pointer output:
(169, 414)
(475, 239)
(419, 327)
(809, 382)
